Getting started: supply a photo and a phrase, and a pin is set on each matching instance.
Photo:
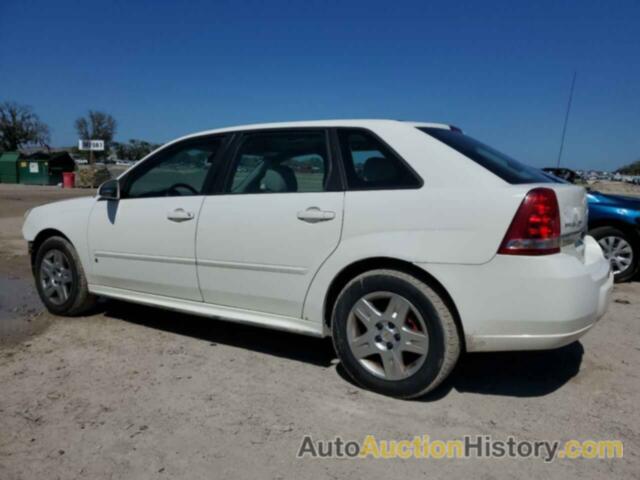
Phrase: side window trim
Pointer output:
(403, 162)
(231, 159)
(212, 182)
(339, 177)
(159, 155)
(218, 185)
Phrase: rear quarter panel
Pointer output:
(603, 211)
(430, 225)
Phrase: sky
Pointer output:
(500, 70)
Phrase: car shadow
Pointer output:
(315, 351)
(515, 374)
(512, 374)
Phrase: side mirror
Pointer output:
(109, 190)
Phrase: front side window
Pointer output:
(281, 162)
(179, 170)
(370, 164)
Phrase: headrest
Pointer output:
(279, 178)
(379, 170)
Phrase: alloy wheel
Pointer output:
(619, 253)
(56, 278)
(387, 335)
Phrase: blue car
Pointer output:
(614, 221)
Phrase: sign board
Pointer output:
(33, 167)
(91, 145)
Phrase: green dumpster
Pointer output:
(33, 171)
(43, 168)
(9, 167)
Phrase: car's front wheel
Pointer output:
(60, 279)
(621, 249)
(394, 334)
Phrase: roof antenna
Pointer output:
(566, 118)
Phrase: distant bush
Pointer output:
(91, 176)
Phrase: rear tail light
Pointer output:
(535, 229)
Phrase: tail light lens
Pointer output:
(535, 229)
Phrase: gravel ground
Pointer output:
(135, 392)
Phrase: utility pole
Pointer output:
(566, 119)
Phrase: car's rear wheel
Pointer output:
(621, 249)
(60, 279)
(394, 334)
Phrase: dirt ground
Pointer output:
(135, 392)
(618, 188)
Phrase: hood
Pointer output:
(69, 204)
(605, 199)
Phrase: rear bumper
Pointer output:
(528, 303)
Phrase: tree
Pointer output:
(97, 126)
(20, 126)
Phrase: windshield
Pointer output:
(505, 167)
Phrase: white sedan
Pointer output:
(407, 243)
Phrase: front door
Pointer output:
(145, 241)
(261, 241)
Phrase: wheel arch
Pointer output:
(632, 230)
(358, 267)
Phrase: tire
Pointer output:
(628, 246)
(367, 352)
(60, 278)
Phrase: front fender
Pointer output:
(69, 217)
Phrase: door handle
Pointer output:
(315, 215)
(180, 215)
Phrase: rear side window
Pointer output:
(370, 164)
(281, 162)
(505, 167)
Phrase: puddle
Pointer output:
(21, 312)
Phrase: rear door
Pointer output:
(278, 216)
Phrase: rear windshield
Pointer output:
(508, 169)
